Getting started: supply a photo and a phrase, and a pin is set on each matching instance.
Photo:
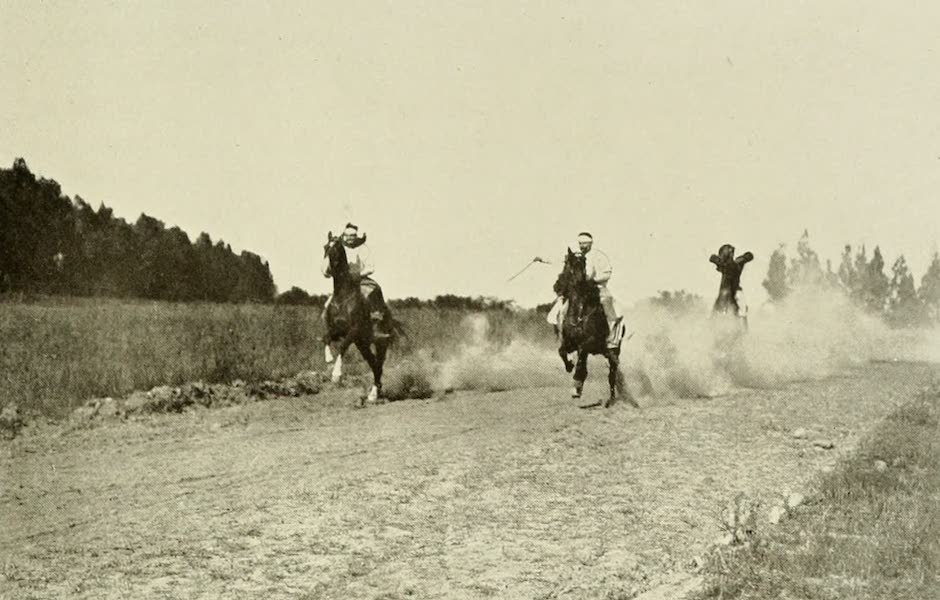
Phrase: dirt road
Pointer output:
(506, 495)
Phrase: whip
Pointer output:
(537, 259)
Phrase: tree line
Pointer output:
(51, 244)
(299, 296)
(891, 295)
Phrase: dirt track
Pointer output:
(507, 495)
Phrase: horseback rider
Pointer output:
(361, 268)
(730, 267)
(597, 269)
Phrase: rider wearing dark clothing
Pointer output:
(730, 269)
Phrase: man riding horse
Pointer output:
(586, 318)
(730, 267)
(598, 270)
(356, 313)
(361, 268)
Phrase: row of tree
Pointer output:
(893, 295)
(51, 244)
(299, 297)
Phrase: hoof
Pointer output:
(575, 392)
(373, 395)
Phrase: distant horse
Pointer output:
(730, 268)
(727, 306)
(348, 320)
(584, 329)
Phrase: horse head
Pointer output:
(572, 274)
(334, 252)
(726, 253)
(330, 240)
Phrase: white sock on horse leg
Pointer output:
(337, 369)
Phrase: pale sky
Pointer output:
(467, 137)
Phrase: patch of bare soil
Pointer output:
(516, 494)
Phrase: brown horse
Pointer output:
(584, 329)
(348, 321)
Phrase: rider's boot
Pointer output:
(613, 334)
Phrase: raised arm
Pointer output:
(744, 258)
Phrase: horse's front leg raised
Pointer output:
(341, 348)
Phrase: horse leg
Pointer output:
(564, 358)
(327, 350)
(327, 353)
(580, 374)
(617, 381)
(613, 375)
(341, 348)
(381, 351)
(376, 362)
(365, 350)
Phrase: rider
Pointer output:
(597, 269)
(730, 268)
(361, 268)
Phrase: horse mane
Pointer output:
(567, 284)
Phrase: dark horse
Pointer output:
(730, 268)
(349, 321)
(584, 328)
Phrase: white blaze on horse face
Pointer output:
(337, 370)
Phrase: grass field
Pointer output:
(58, 352)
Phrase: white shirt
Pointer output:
(597, 267)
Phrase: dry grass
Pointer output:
(57, 353)
(873, 532)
